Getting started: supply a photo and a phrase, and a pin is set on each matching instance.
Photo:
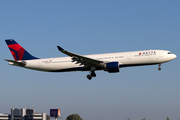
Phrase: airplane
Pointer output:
(110, 62)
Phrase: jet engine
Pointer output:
(112, 67)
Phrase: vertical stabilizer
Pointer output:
(18, 52)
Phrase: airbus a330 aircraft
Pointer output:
(110, 62)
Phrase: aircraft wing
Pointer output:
(86, 61)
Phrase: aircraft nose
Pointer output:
(175, 56)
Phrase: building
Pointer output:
(5, 117)
(35, 116)
(23, 114)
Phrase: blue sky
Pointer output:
(90, 27)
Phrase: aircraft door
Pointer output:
(128, 56)
(161, 54)
(39, 63)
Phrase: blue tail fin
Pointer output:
(18, 52)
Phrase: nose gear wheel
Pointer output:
(159, 67)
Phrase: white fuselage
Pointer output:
(125, 59)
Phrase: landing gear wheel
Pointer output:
(159, 68)
(89, 77)
(93, 74)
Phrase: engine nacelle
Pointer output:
(112, 67)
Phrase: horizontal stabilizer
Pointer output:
(20, 63)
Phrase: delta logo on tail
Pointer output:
(18, 52)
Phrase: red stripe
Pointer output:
(20, 50)
(14, 55)
(15, 47)
(21, 53)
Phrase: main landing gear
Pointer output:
(159, 67)
(92, 73)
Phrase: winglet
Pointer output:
(60, 48)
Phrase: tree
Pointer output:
(128, 119)
(167, 118)
(47, 117)
(144, 119)
(74, 117)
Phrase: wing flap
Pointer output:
(80, 59)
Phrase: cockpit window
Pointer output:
(169, 53)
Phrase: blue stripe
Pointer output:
(10, 42)
(99, 68)
(132, 65)
(71, 69)
(76, 69)
(28, 56)
(15, 53)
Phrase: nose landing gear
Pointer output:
(159, 67)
